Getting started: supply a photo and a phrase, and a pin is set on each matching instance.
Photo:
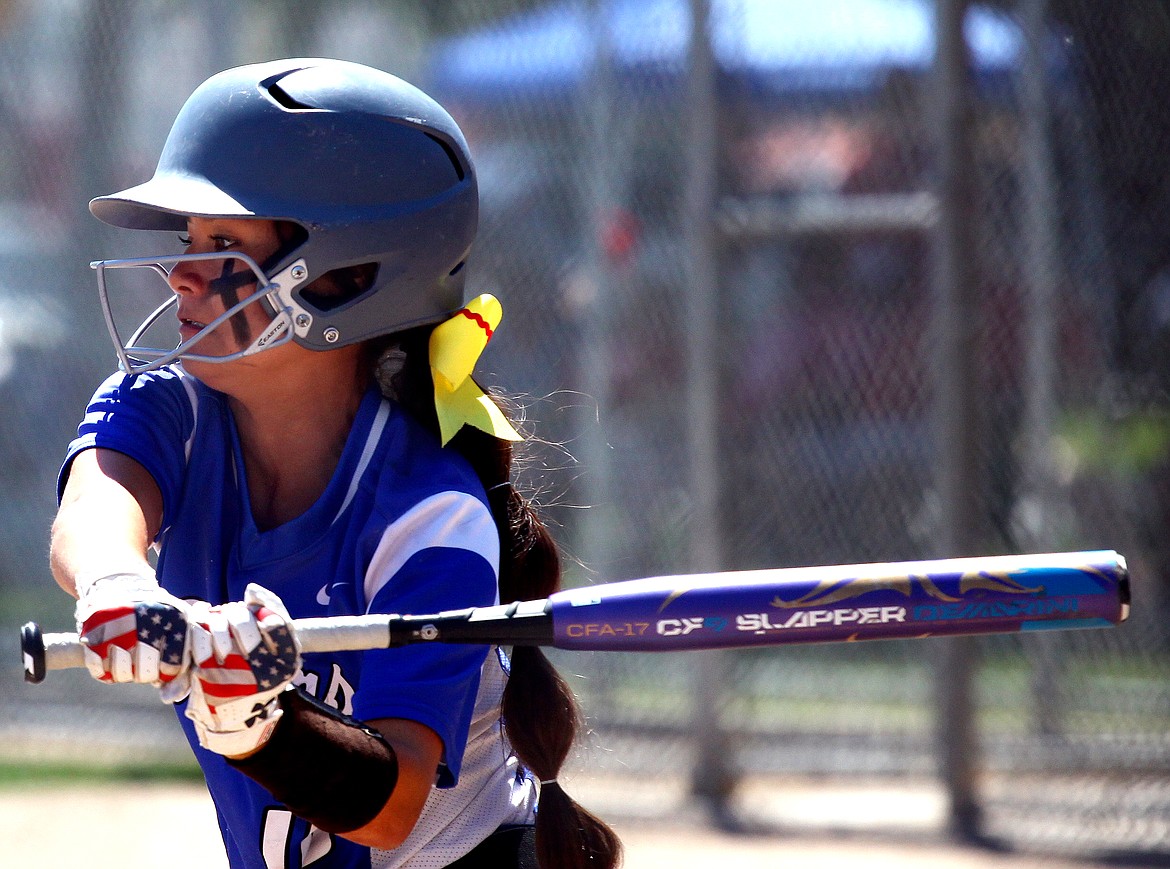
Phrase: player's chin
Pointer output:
(204, 371)
(228, 378)
(226, 374)
(210, 353)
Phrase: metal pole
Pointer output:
(960, 483)
(713, 776)
(104, 50)
(1041, 269)
(599, 530)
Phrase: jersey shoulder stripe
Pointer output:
(454, 520)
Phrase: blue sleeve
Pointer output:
(149, 418)
(435, 685)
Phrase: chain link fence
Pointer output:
(818, 366)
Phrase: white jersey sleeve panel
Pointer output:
(446, 520)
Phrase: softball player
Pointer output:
(315, 446)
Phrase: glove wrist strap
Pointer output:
(86, 583)
(248, 737)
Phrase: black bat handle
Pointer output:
(522, 623)
(32, 652)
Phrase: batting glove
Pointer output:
(245, 655)
(132, 630)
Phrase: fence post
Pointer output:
(713, 776)
(599, 194)
(1038, 495)
(959, 424)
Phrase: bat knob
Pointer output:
(32, 651)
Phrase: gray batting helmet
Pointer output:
(373, 169)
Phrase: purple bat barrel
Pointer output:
(997, 594)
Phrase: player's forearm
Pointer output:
(365, 782)
(109, 515)
(95, 533)
(97, 537)
(418, 750)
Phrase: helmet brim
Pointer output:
(155, 204)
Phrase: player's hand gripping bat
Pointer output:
(841, 603)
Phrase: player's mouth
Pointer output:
(190, 328)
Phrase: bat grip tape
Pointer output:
(327, 768)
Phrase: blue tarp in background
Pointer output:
(786, 45)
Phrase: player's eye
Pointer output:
(222, 242)
(184, 240)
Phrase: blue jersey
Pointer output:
(403, 527)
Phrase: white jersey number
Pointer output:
(275, 840)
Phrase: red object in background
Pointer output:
(620, 233)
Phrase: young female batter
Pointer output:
(315, 446)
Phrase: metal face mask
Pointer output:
(273, 294)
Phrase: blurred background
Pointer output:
(785, 283)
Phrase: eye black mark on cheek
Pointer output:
(227, 287)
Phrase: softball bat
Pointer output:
(740, 609)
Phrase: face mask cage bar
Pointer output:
(135, 359)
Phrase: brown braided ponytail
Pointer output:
(539, 710)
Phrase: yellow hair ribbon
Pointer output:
(454, 349)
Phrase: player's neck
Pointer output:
(293, 428)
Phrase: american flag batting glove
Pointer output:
(245, 655)
(132, 630)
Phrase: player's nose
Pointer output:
(188, 278)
